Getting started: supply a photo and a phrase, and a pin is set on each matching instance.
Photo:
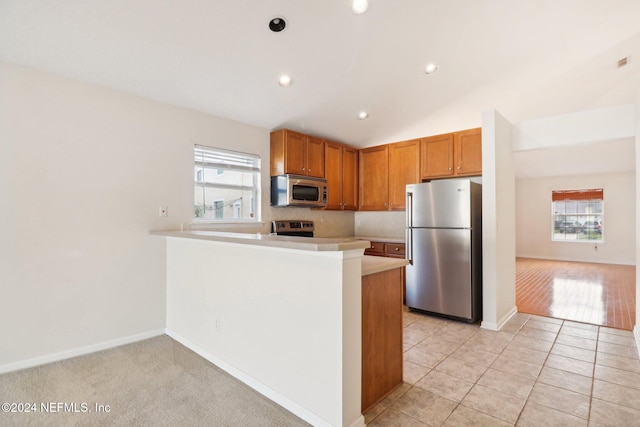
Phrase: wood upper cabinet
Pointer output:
(468, 149)
(374, 178)
(349, 178)
(404, 168)
(385, 171)
(436, 156)
(341, 173)
(296, 153)
(315, 157)
(451, 154)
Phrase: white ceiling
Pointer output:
(526, 58)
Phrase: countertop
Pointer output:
(379, 239)
(377, 264)
(370, 264)
(315, 244)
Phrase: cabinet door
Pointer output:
(333, 174)
(315, 157)
(395, 250)
(295, 153)
(404, 168)
(436, 156)
(468, 148)
(375, 249)
(374, 178)
(349, 178)
(381, 336)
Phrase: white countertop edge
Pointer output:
(379, 239)
(376, 264)
(315, 244)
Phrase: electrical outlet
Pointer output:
(163, 211)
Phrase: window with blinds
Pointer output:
(578, 215)
(226, 184)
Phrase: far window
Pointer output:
(578, 215)
(226, 184)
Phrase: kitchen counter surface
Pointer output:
(370, 264)
(376, 264)
(315, 244)
(379, 239)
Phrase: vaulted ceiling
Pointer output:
(527, 58)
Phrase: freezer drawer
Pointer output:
(439, 279)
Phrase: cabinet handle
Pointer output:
(450, 168)
(373, 247)
(397, 249)
(458, 167)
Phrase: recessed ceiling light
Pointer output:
(359, 6)
(362, 115)
(431, 68)
(277, 24)
(285, 80)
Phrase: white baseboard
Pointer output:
(551, 258)
(501, 322)
(67, 354)
(636, 334)
(261, 388)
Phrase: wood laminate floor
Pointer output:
(600, 294)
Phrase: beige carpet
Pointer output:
(156, 382)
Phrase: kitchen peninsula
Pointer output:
(282, 314)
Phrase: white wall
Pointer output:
(289, 326)
(84, 170)
(498, 221)
(381, 224)
(534, 221)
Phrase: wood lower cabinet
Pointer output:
(392, 250)
(341, 173)
(381, 336)
(297, 154)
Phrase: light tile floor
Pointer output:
(536, 371)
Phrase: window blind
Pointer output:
(590, 194)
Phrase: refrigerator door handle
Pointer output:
(409, 209)
(409, 239)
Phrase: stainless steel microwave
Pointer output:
(295, 190)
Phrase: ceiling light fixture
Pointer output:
(359, 6)
(277, 24)
(285, 80)
(431, 68)
(362, 115)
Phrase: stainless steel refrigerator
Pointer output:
(444, 248)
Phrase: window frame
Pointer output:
(578, 196)
(220, 160)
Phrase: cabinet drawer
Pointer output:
(395, 250)
(376, 248)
